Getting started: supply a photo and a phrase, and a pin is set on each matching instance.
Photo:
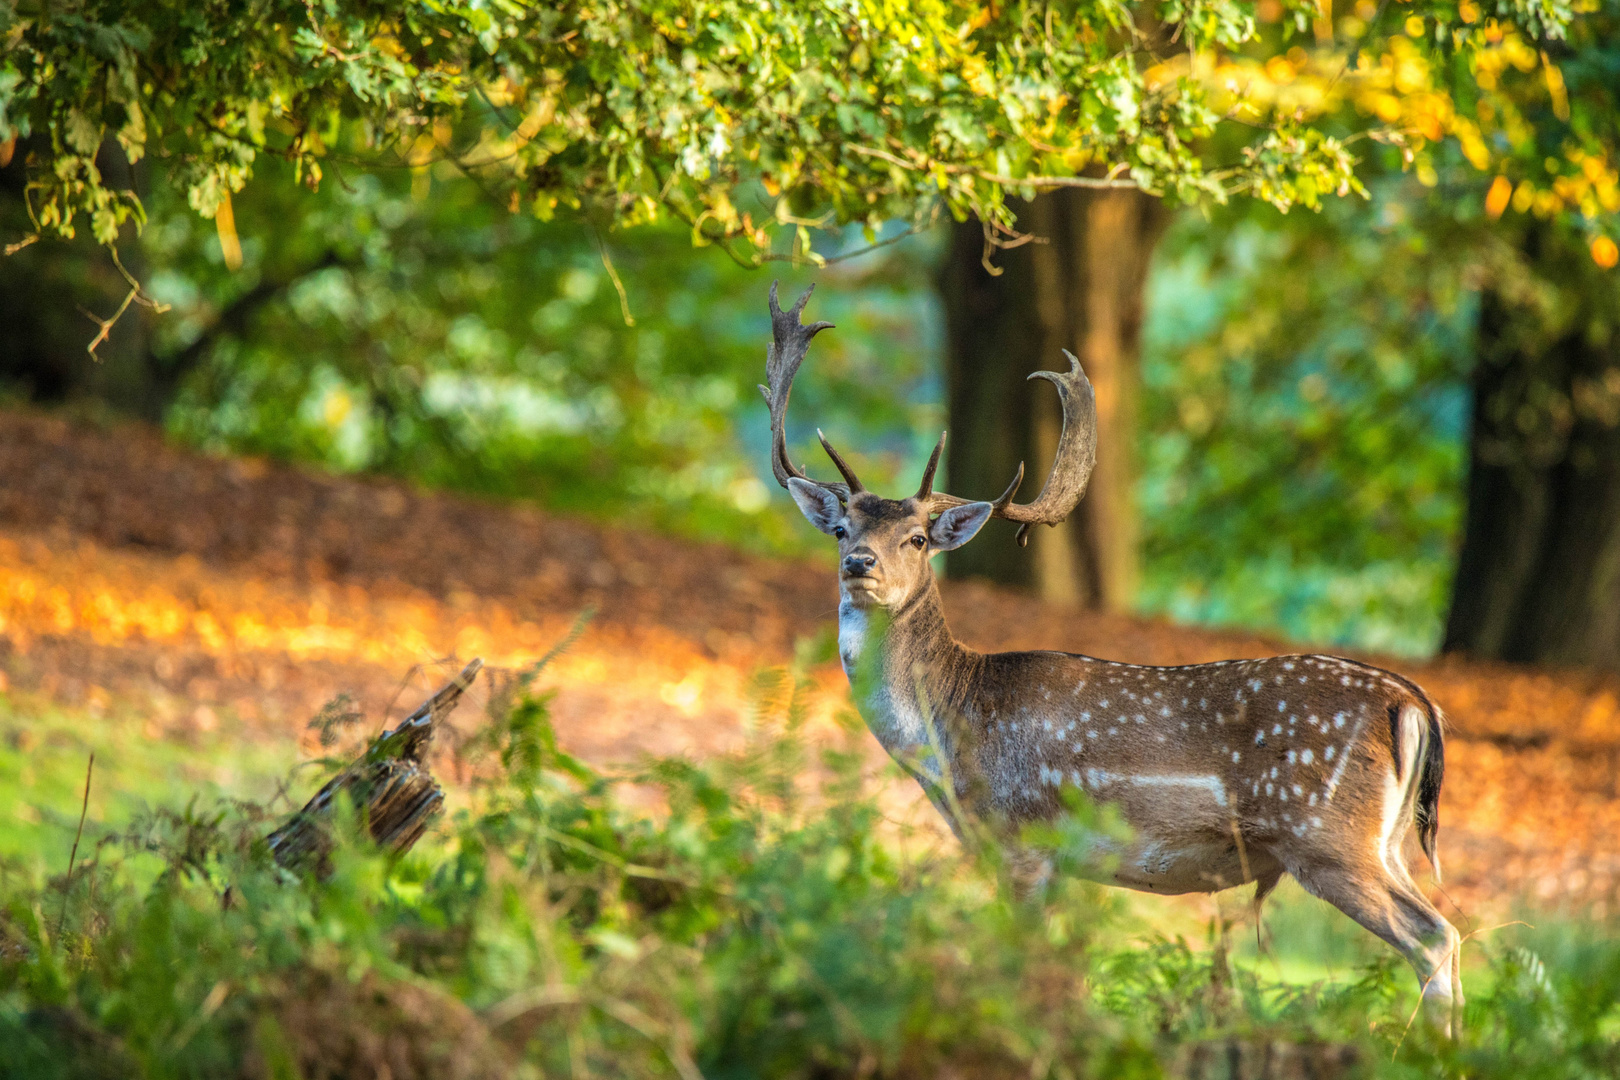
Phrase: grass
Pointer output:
(45, 749)
(752, 929)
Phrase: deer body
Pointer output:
(1198, 759)
(1228, 773)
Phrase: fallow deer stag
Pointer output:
(1231, 772)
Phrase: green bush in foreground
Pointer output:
(748, 930)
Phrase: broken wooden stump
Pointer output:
(390, 784)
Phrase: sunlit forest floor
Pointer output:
(185, 617)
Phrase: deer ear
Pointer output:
(958, 525)
(819, 505)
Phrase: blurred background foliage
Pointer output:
(1316, 391)
(1305, 423)
(406, 324)
(1303, 414)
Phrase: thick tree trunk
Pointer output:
(1080, 289)
(1538, 579)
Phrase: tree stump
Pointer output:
(390, 783)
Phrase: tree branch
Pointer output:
(167, 372)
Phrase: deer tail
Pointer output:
(1430, 768)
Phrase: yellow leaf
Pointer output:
(1605, 253)
(1496, 199)
(1555, 87)
(230, 246)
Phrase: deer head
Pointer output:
(884, 545)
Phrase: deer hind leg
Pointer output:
(1387, 903)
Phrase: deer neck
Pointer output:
(906, 669)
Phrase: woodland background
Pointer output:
(439, 326)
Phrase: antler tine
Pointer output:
(1012, 489)
(926, 488)
(790, 341)
(848, 473)
(1071, 467)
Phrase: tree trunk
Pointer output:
(1079, 288)
(1538, 578)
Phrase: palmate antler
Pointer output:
(790, 341)
(1071, 468)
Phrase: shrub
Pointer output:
(760, 924)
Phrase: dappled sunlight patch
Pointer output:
(251, 625)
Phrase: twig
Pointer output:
(526, 1001)
(404, 684)
(613, 276)
(73, 856)
(1104, 182)
(575, 632)
(12, 249)
(144, 301)
(1450, 958)
(909, 231)
(105, 325)
(654, 1032)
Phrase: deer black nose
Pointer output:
(859, 565)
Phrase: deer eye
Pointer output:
(839, 531)
(919, 542)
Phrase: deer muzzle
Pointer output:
(857, 565)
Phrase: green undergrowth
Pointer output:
(45, 753)
(750, 928)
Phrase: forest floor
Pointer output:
(191, 596)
